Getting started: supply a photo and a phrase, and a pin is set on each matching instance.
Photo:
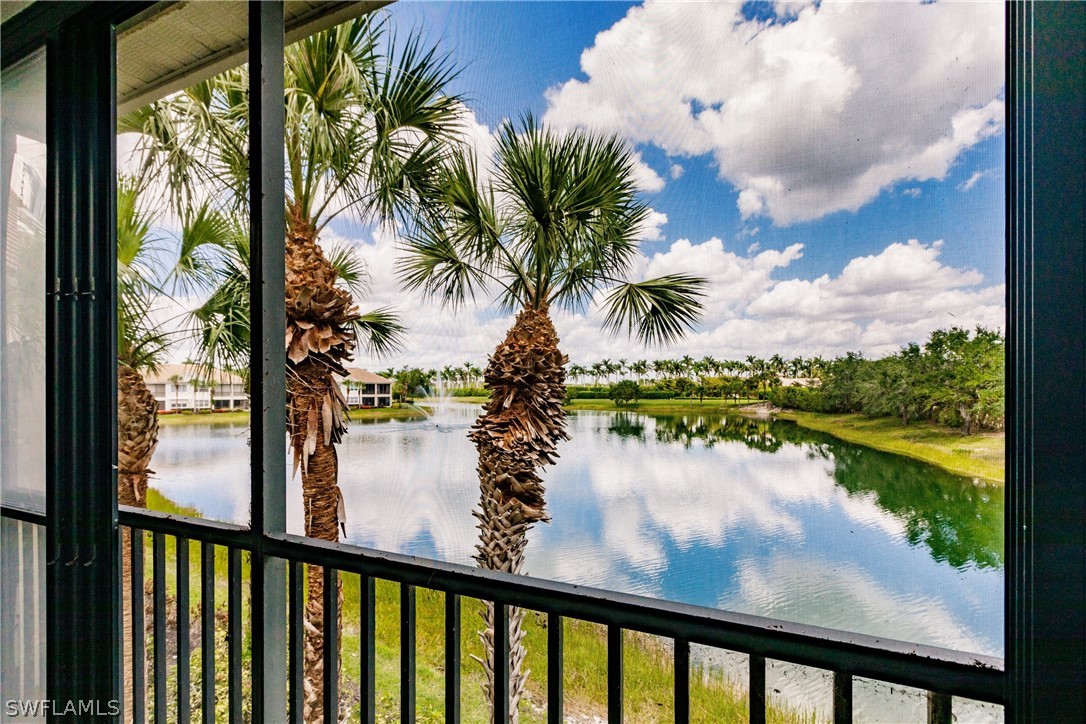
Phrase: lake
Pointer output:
(753, 516)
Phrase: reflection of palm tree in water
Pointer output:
(627, 425)
(713, 429)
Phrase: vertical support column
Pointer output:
(682, 682)
(452, 657)
(1046, 362)
(501, 663)
(756, 698)
(555, 659)
(615, 669)
(940, 708)
(83, 659)
(367, 606)
(407, 653)
(267, 386)
(842, 697)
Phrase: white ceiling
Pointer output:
(175, 44)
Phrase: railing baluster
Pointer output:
(842, 697)
(614, 673)
(452, 657)
(158, 568)
(940, 708)
(139, 645)
(368, 650)
(207, 631)
(501, 663)
(331, 645)
(233, 633)
(756, 698)
(682, 681)
(944, 673)
(555, 652)
(184, 682)
(295, 644)
(407, 653)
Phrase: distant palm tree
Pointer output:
(556, 225)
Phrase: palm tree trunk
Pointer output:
(320, 497)
(319, 338)
(137, 436)
(516, 436)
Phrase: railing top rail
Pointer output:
(212, 531)
(926, 667)
(27, 516)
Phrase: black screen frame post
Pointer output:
(267, 296)
(1045, 516)
(83, 566)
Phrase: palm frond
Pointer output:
(350, 267)
(205, 232)
(658, 311)
(433, 263)
(380, 331)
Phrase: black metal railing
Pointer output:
(943, 673)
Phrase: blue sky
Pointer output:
(834, 170)
(513, 52)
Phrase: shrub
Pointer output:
(624, 392)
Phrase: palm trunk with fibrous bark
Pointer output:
(137, 437)
(516, 436)
(319, 338)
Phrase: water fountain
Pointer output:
(444, 412)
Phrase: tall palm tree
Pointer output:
(557, 223)
(142, 282)
(365, 130)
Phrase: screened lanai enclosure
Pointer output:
(110, 608)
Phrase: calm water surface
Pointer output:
(750, 516)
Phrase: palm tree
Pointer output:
(363, 131)
(141, 343)
(555, 225)
(598, 370)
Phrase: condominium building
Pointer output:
(363, 388)
(187, 387)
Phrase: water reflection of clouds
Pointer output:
(719, 524)
(843, 596)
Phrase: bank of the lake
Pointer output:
(396, 412)
(647, 661)
(980, 455)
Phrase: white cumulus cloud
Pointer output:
(802, 118)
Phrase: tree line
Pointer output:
(955, 378)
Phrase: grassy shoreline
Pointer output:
(980, 455)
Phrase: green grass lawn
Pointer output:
(396, 412)
(648, 678)
(980, 455)
(204, 418)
